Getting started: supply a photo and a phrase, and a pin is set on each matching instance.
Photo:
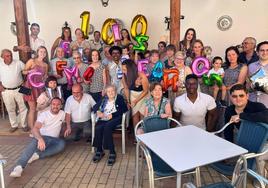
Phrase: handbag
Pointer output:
(25, 90)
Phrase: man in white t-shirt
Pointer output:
(78, 109)
(192, 107)
(46, 141)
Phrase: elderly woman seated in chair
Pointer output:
(109, 114)
(157, 105)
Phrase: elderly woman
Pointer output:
(80, 43)
(109, 114)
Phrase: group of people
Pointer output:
(117, 86)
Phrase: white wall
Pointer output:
(249, 18)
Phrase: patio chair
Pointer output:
(251, 136)
(157, 168)
(239, 177)
(123, 126)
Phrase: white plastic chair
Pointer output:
(123, 126)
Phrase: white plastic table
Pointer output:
(185, 148)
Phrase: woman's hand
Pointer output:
(100, 114)
(110, 116)
(164, 115)
(133, 104)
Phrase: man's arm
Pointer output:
(41, 145)
(211, 119)
(177, 115)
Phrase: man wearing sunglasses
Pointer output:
(242, 108)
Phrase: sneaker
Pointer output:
(16, 172)
(34, 157)
(13, 129)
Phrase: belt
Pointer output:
(12, 88)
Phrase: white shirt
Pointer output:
(51, 123)
(113, 72)
(220, 71)
(194, 113)
(11, 75)
(35, 43)
(79, 111)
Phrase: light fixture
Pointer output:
(167, 21)
(104, 3)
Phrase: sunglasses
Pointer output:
(76, 57)
(240, 96)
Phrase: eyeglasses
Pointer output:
(240, 96)
(76, 57)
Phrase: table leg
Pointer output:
(178, 180)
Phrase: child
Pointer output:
(217, 69)
(52, 90)
(125, 53)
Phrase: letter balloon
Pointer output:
(85, 23)
(200, 66)
(170, 78)
(31, 77)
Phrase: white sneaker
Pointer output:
(34, 157)
(16, 172)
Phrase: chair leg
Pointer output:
(198, 177)
(137, 165)
(2, 175)
(92, 137)
(123, 140)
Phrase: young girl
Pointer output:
(217, 69)
(52, 90)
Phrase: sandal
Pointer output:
(98, 156)
(111, 159)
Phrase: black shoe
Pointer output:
(223, 104)
(98, 156)
(111, 159)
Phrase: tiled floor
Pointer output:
(73, 167)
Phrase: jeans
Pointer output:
(53, 146)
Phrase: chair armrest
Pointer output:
(222, 129)
(177, 122)
(136, 128)
(263, 181)
(254, 155)
(93, 116)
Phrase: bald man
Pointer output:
(78, 108)
(249, 54)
